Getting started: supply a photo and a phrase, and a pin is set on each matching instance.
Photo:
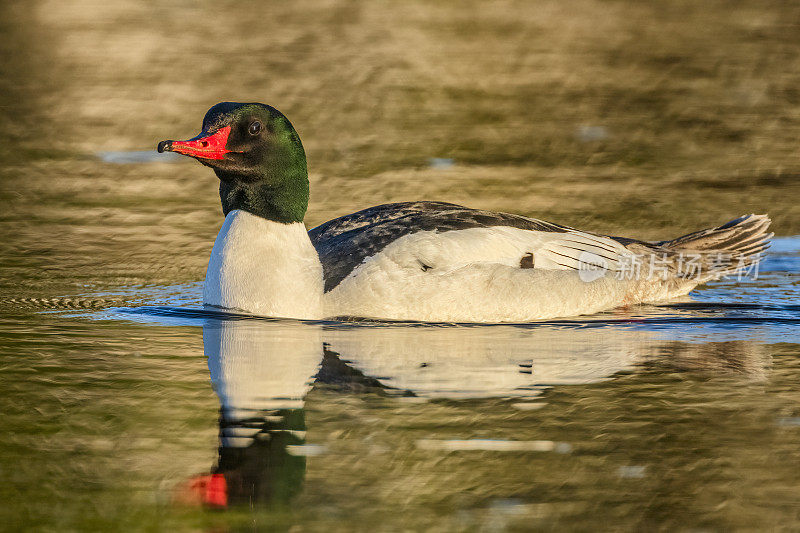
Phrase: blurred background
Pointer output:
(642, 119)
(618, 116)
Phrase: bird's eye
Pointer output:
(255, 128)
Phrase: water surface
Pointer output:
(152, 411)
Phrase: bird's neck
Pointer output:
(282, 197)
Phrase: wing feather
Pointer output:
(347, 242)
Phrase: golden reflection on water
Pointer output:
(342, 423)
(613, 116)
(341, 399)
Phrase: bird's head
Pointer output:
(258, 157)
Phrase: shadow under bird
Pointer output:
(428, 261)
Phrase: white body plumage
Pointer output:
(265, 268)
(486, 274)
(272, 269)
(474, 275)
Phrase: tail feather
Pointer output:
(726, 249)
(725, 237)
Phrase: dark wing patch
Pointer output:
(345, 242)
(527, 261)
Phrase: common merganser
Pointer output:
(426, 261)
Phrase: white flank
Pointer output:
(264, 268)
(474, 275)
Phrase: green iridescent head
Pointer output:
(258, 157)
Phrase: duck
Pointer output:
(426, 261)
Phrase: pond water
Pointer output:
(127, 407)
(152, 413)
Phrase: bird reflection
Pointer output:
(263, 370)
(486, 362)
(261, 373)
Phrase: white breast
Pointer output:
(264, 268)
